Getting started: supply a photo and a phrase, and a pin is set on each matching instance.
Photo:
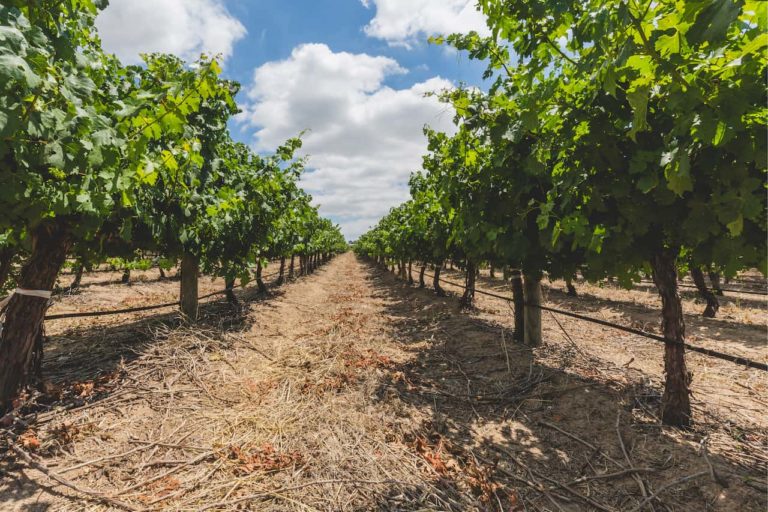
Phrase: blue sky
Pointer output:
(276, 27)
(352, 72)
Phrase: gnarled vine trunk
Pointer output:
(126, 277)
(714, 278)
(492, 271)
(291, 267)
(78, 277)
(229, 284)
(468, 298)
(23, 326)
(701, 285)
(436, 281)
(410, 272)
(571, 290)
(281, 277)
(675, 403)
(422, 284)
(259, 281)
(6, 263)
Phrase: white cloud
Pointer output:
(365, 138)
(404, 22)
(186, 28)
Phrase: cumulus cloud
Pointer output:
(186, 28)
(404, 22)
(364, 138)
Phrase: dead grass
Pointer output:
(350, 391)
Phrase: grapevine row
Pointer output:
(100, 160)
(619, 139)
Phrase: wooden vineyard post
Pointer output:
(532, 291)
(190, 270)
(281, 277)
(518, 299)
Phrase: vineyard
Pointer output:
(568, 313)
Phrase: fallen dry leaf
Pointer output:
(29, 440)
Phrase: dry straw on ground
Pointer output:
(348, 390)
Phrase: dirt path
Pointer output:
(347, 390)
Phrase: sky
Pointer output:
(352, 74)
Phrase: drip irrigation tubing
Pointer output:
(88, 314)
(743, 361)
(763, 293)
(731, 290)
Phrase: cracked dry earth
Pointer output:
(349, 390)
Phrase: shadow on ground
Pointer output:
(516, 434)
(80, 353)
(94, 355)
(83, 367)
(723, 331)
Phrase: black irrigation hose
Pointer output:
(88, 314)
(731, 290)
(112, 312)
(707, 352)
(693, 287)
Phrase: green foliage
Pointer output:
(612, 131)
(129, 264)
(124, 159)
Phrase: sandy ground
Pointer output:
(349, 390)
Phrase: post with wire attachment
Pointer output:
(516, 279)
(532, 288)
(190, 269)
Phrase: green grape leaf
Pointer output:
(736, 227)
(713, 21)
(678, 172)
(638, 100)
